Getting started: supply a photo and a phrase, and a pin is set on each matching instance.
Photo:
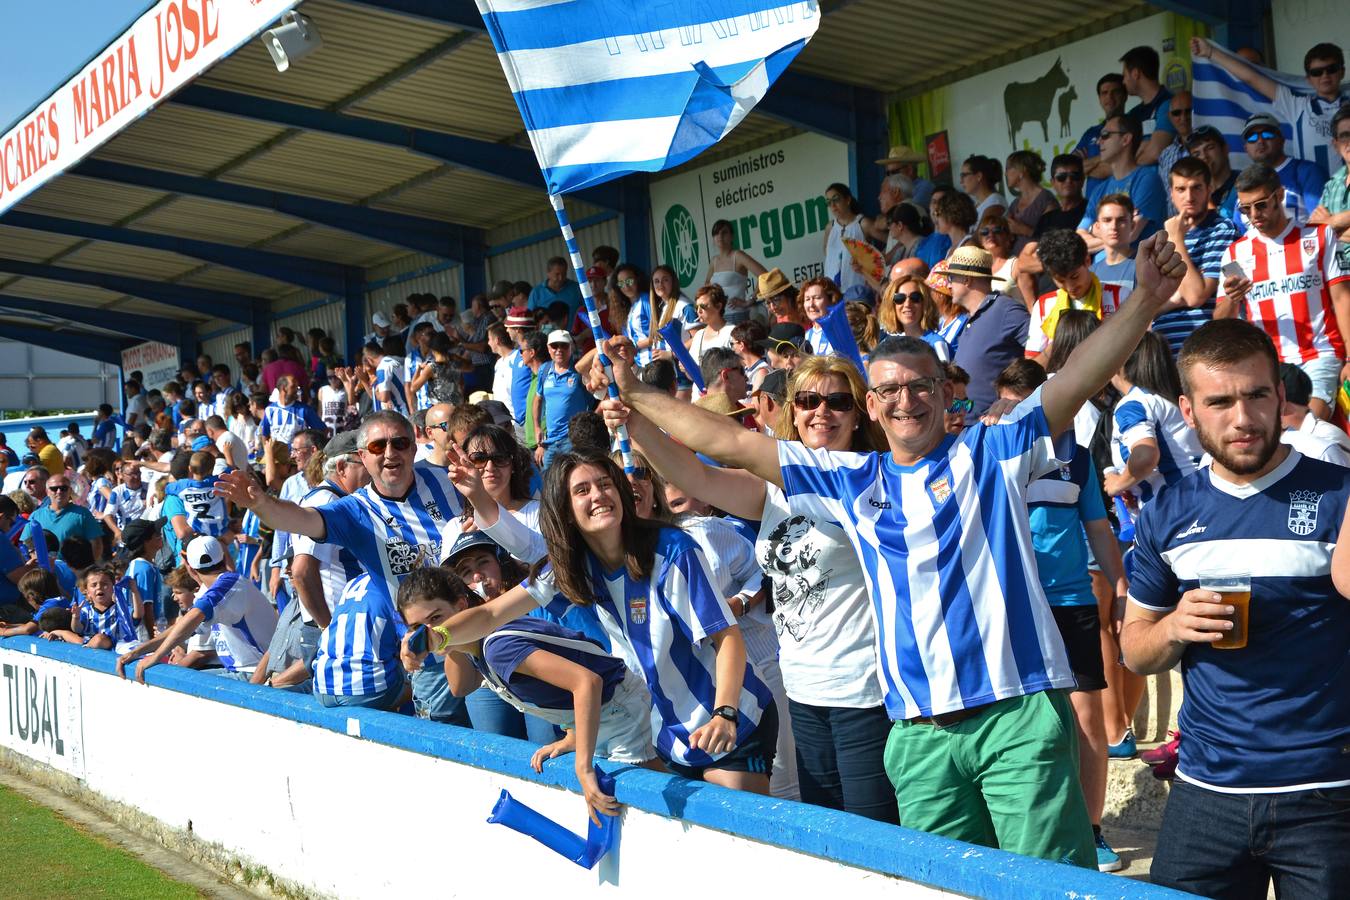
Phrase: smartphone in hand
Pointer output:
(417, 640)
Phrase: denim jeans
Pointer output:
(1230, 846)
(384, 699)
(494, 715)
(562, 445)
(432, 698)
(840, 759)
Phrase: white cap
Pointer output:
(559, 336)
(380, 320)
(204, 552)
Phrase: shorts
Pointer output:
(1080, 626)
(625, 734)
(1325, 374)
(754, 753)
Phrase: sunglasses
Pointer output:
(806, 401)
(400, 444)
(498, 460)
(1178, 113)
(1332, 69)
(1259, 206)
(440, 426)
(833, 200)
(1103, 135)
(990, 232)
(961, 406)
(641, 473)
(57, 488)
(626, 282)
(922, 388)
(1265, 134)
(1068, 176)
(911, 297)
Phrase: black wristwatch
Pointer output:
(727, 712)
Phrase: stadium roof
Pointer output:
(399, 137)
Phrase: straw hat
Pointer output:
(720, 404)
(902, 154)
(772, 282)
(974, 262)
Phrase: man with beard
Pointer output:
(1263, 781)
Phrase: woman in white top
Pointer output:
(954, 215)
(981, 178)
(818, 295)
(710, 304)
(241, 421)
(996, 237)
(731, 269)
(497, 491)
(846, 221)
(822, 611)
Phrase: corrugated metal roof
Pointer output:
(32, 246)
(320, 165)
(89, 199)
(225, 223)
(135, 261)
(458, 195)
(187, 140)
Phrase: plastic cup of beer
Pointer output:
(1236, 591)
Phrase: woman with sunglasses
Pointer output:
(731, 269)
(632, 305)
(818, 295)
(846, 221)
(996, 236)
(1023, 173)
(822, 611)
(651, 588)
(907, 308)
(710, 304)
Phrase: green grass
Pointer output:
(43, 855)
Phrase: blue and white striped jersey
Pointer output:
(410, 364)
(126, 504)
(391, 537)
(116, 621)
(358, 651)
(244, 616)
(1140, 415)
(337, 564)
(946, 550)
(282, 422)
(389, 378)
(638, 326)
(206, 513)
(251, 527)
(148, 580)
(1283, 696)
(98, 503)
(661, 627)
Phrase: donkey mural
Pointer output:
(1030, 101)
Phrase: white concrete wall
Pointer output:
(318, 804)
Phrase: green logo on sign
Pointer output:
(679, 244)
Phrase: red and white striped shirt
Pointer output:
(1290, 298)
(1038, 340)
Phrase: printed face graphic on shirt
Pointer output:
(801, 591)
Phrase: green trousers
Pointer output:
(1006, 777)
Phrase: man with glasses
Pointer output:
(1111, 95)
(1120, 140)
(972, 665)
(392, 525)
(1179, 111)
(1334, 210)
(303, 445)
(1293, 285)
(905, 161)
(33, 480)
(557, 287)
(1302, 181)
(63, 517)
(996, 332)
(1066, 176)
(1309, 113)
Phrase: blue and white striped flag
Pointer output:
(1221, 100)
(609, 87)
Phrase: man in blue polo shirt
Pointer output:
(1120, 139)
(1263, 782)
(562, 394)
(557, 287)
(63, 517)
(972, 666)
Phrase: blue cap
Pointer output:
(200, 442)
(468, 541)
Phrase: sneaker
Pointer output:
(1166, 770)
(1125, 748)
(1108, 860)
(1163, 752)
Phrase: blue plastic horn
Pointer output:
(585, 852)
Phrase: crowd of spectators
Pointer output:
(899, 546)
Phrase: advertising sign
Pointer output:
(774, 198)
(157, 362)
(42, 713)
(174, 42)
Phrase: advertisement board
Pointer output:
(773, 196)
(42, 715)
(157, 363)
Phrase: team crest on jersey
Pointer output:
(433, 510)
(1309, 246)
(1303, 512)
(637, 610)
(1065, 474)
(941, 488)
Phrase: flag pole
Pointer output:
(593, 318)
